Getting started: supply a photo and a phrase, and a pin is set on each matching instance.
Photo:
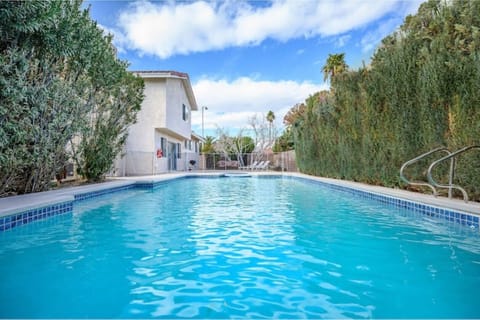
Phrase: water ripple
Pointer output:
(240, 248)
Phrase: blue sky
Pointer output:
(245, 58)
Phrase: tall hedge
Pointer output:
(62, 89)
(421, 91)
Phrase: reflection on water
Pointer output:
(239, 248)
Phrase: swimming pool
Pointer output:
(239, 248)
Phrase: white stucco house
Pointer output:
(162, 139)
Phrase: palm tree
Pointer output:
(270, 118)
(335, 64)
(208, 145)
(208, 150)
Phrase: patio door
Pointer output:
(172, 156)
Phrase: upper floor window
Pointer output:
(184, 112)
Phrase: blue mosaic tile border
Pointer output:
(155, 184)
(213, 176)
(460, 217)
(24, 217)
(18, 219)
(275, 176)
(151, 184)
(94, 194)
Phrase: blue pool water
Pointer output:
(239, 248)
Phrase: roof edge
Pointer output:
(162, 74)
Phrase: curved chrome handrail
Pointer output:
(409, 162)
(450, 185)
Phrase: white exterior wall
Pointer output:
(139, 151)
(151, 116)
(161, 164)
(177, 97)
(161, 116)
(189, 153)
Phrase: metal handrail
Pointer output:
(409, 162)
(450, 184)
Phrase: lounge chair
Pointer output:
(259, 165)
(251, 166)
(263, 165)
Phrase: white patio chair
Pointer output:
(251, 166)
(263, 165)
(259, 165)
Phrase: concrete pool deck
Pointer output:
(16, 204)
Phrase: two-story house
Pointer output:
(162, 139)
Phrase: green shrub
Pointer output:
(422, 90)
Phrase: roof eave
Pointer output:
(175, 75)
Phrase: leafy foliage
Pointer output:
(285, 142)
(421, 91)
(59, 79)
(234, 147)
(208, 146)
(335, 65)
(270, 118)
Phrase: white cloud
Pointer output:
(342, 41)
(168, 28)
(231, 103)
(373, 38)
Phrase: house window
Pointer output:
(185, 112)
(186, 144)
(163, 146)
(179, 150)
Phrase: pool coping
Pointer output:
(23, 209)
(426, 199)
